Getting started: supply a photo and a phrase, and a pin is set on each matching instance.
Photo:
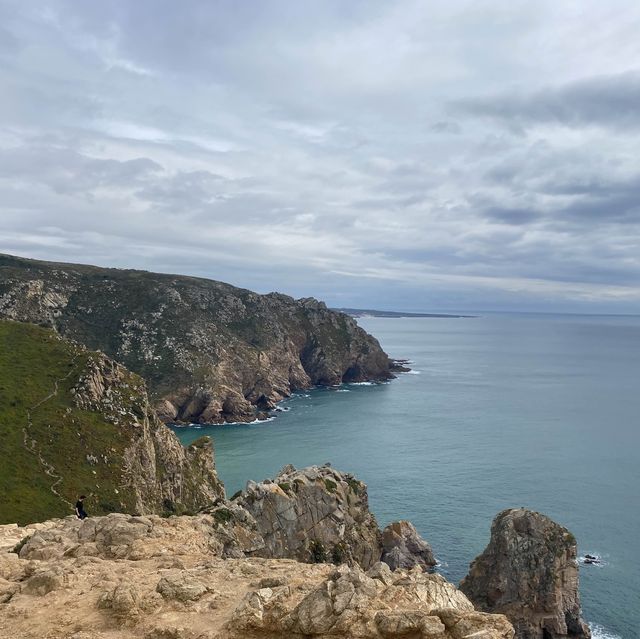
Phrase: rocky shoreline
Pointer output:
(299, 555)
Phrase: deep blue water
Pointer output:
(540, 411)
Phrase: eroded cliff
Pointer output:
(73, 421)
(209, 352)
(529, 572)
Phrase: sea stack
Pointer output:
(529, 573)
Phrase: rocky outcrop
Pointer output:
(315, 514)
(351, 603)
(208, 351)
(402, 547)
(529, 573)
(82, 423)
(126, 577)
(162, 475)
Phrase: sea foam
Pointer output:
(598, 632)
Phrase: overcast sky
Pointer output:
(409, 155)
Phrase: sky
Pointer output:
(404, 155)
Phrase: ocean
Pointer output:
(500, 410)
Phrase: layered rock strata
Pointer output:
(529, 573)
(209, 352)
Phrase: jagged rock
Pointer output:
(203, 596)
(314, 514)
(236, 529)
(402, 547)
(158, 470)
(529, 573)
(381, 572)
(181, 586)
(118, 536)
(210, 352)
(405, 623)
(350, 604)
(472, 624)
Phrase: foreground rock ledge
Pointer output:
(122, 577)
(529, 572)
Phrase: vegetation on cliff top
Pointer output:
(73, 421)
(46, 439)
(208, 351)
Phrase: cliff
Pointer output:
(529, 573)
(121, 577)
(209, 352)
(73, 421)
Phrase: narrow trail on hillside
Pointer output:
(31, 445)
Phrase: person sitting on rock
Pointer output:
(80, 512)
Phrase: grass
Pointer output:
(330, 485)
(222, 515)
(31, 360)
(355, 485)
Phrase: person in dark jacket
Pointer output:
(80, 512)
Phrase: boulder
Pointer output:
(529, 572)
(46, 581)
(402, 547)
(181, 586)
(123, 601)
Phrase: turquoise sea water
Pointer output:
(501, 410)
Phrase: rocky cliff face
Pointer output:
(314, 514)
(122, 577)
(402, 547)
(74, 421)
(529, 573)
(209, 352)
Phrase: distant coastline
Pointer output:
(360, 312)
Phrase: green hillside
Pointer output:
(45, 438)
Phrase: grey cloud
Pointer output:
(610, 101)
(328, 148)
(446, 126)
(516, 217)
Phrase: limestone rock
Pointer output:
(315, 514)
(529, 573)
(402, 547)
(404, 623)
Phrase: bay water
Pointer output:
(499, 411)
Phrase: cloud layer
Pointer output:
(410, 155)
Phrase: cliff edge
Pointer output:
(208, 351)
(122, 577)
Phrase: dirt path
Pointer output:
(31, 445)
